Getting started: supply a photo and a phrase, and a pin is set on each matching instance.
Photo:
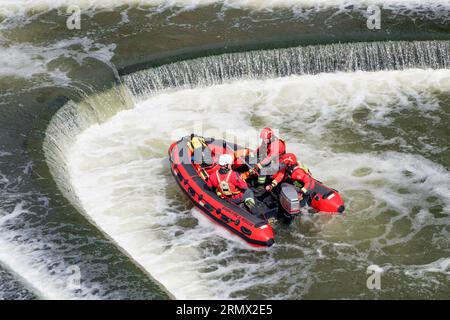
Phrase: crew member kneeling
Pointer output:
(268, 153)
(229, 184)
(293, 171)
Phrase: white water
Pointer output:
(345, 57)
(21, 12)
(36, 63)
(29, 263)
(41, 5)
(120, 174)
(33, 273)
(25, 253)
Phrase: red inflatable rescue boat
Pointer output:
(193, 158)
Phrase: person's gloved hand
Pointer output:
(250, 202)
(255, 169)
(305, 191)
(271, 186)
(252, 172)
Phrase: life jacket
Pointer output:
(200, 152)
(299, 165)
(224, 188)
(196, 143)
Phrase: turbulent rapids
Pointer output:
(127, 190)
(86, 184)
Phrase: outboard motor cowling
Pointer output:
(289, 198)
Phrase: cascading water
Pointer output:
(374, 56)
(327, 118)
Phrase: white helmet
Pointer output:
(225, 159)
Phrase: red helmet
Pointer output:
(288, 159)
(266, 133)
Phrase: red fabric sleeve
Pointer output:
(212, 181)
(277, 147)
(279, 176)
(238, 181)
(302, 176)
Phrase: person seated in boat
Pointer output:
(292, 171)
(268, 154)
(229, 184)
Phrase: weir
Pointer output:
(345, 57)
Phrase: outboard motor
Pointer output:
(289, 198)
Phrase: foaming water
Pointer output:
(42, 5)
(37, 64)
(14, 14)
(35, 276)
(11, 288)
(119, 172)
(31, 267)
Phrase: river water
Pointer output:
(87, 117)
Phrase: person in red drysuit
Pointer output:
(268, 153)
(228, 184)
(292, 170)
